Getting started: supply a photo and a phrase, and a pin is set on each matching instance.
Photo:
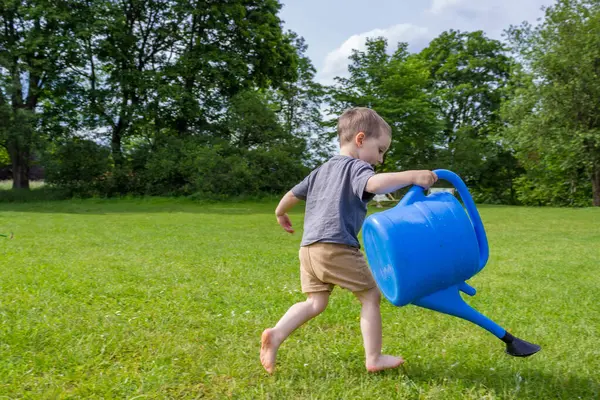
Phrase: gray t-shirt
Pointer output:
(336, 201)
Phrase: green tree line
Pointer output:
(215, 98)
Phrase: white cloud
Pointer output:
(336, 62)
(491, 16)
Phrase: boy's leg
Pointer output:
(370, 325)
(297, 315)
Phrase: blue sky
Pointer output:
(332, 28)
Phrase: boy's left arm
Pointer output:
(287, 202)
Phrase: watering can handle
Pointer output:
(416, 192)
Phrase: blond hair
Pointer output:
(361, 119)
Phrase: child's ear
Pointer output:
(359, 139)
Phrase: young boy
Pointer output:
(336, 197)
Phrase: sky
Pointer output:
(332, 28)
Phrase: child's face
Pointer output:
(372, 149)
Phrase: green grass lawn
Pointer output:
(167, 299)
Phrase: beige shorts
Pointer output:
(324, 265)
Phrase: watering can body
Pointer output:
(425, 243)
(423, 250)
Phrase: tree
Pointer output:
(251, 123)
(35, 48)
(468, 74)
(135, 75)
(298, 102)
(223, 48)
(396, 87)
(125, 46)
(4, 157)
(164, 67)
(554, 115)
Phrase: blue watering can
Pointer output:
(423, 250)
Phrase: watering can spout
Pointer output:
(449, 301)
(519, 347)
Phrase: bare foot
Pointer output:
(268, 350)
(384, 362)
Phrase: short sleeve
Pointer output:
(301, 189)
(361, 172)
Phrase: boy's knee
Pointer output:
(318, 303)
(377, 295)
(371, 296)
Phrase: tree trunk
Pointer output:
(119, 185)
(19, 157)
(596, 185)
(115, 145)
(187, 108)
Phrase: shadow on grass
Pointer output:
(515, 378)
(511, 379)
(506, 380)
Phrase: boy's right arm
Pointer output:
(392, 181)
(285, 204)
